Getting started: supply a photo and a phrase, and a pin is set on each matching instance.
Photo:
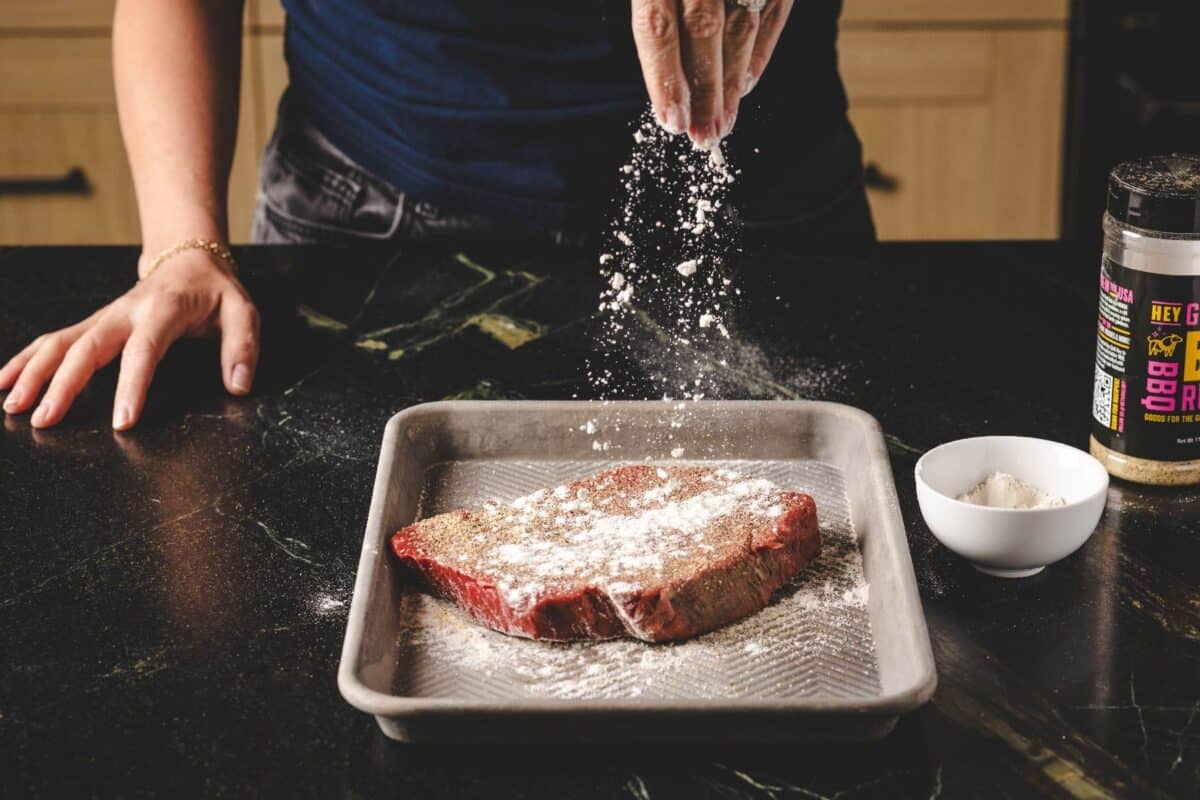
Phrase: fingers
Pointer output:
(10, 371)
(770, 25)
(656, 34)
(702, 25)
(148, 342)
(39, 366)
(238, 320)
(741, 29)
(92, 350)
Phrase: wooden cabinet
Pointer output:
(58, 117)
(960, 105)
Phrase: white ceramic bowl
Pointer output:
(1011, 543)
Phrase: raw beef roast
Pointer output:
(655, 553)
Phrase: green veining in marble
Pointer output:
(482, 306)
(485, 389)
(466, 261)
(509, 331)
(900, 447)
(315, 319)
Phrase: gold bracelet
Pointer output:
(213, 248)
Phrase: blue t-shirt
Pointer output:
(516, 109)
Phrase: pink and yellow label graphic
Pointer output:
(1172, 386)
(1146, 398)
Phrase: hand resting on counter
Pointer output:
(189, 296)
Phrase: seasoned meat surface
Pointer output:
(652, 552)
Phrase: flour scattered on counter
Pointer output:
(326, 603)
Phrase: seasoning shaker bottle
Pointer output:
(1146, 396)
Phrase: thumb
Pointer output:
(238, 321)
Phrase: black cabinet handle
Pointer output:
(877, 179)
(73, 181)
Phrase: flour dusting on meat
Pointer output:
(813, 640)
(618, 535)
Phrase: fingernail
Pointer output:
(706, 137)
(751, 82)
(39, 416)
(121, 417)
(727, 124)
(676, 120)
(240, 379)
(14, 399)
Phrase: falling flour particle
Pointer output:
(668, 218)
(676, 452)
(1001, 490)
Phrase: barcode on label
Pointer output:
(1102, 398)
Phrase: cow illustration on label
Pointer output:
(1163, 345)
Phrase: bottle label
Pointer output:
(1146, 400)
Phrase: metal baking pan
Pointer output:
(838, 655)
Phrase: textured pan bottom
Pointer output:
(813, 641)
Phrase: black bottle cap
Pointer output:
(1159, 193)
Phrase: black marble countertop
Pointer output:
(173, 599)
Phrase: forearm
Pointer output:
(177, 65)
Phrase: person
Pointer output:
(413, 121)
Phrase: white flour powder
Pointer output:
(669, 243)
(1001, 490)
(601, 535)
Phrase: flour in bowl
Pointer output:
(1001, 490)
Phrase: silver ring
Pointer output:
(753, 6)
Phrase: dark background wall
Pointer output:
(1134, 90)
